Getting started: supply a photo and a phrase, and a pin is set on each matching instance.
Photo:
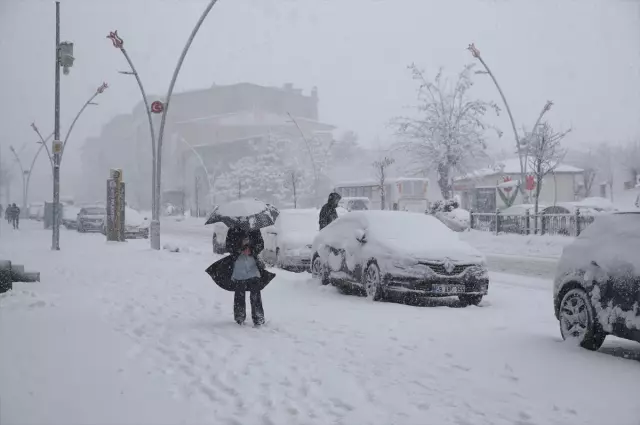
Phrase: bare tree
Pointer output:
(293, 181)
(381, 167)
(545, 153)
(449, 131)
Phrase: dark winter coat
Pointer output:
(328, 213)
(222, 270)
(12, 212)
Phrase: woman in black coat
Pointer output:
(247, 273)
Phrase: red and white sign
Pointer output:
(531, 182)
(157, 107)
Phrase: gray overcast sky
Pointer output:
(583, 54)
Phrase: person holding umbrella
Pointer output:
(242, 270)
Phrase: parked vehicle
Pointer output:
(70, 216)
(136, 226)
(597, 285)
(389, 251)
(219, 238)
(355, 203)
(91, 219)
(404, 193)
(36, 211)
(287, 243)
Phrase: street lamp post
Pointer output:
(90, 101)
(63, 59)
(520, 145)
(118, 43)
(23, 173)
(202, 163)
(155, 236)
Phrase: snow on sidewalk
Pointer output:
(520, 245)
(323, 357)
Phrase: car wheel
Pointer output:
(373, 282)
(467, 300)
(577, 321)
(318, 271)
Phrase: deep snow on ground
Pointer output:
(117, 333)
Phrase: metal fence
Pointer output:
(531, 224)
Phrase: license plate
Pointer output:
(449, 289)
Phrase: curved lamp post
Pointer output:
(23, 173)
(118, 43)
(99, 90)
(155, 229)
(520, 145)
(202, 163)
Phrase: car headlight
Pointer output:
(404, 263)
(478, 272)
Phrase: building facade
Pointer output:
(206, 130)
(481, 190)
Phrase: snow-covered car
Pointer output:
(391, 251)
(219, 240)
(70, 216)
(36, 211)
(287, 243)
(136, 226)
(91, 219)
(597, 286)
(354, 203)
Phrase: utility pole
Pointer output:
(196, 193)
(64, 59)
(55, 242)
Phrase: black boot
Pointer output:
(239, 307)
(257, 311)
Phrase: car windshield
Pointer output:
(94, 211)
(412, 229)
(358, 204)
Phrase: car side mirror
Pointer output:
(361, 236)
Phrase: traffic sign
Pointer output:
(157, 107)
(57, 147)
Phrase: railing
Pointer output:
(531, 224)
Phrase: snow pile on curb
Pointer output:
(523, 245)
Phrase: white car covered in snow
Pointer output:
(391, 251)
(597, 286)
(136, 226)
(219, 239)
(287, 243)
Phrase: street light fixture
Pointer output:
(154, 228)
(520, 144)
(154, 231)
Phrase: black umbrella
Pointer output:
(248, 214)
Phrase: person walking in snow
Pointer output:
(328, 212)
(15, 216)
(248, 273)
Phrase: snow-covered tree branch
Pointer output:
(545, 152)
(381, 171)
(448, 131)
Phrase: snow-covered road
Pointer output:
(116, 333)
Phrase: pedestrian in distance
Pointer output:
(15, 216)
(328, 212)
